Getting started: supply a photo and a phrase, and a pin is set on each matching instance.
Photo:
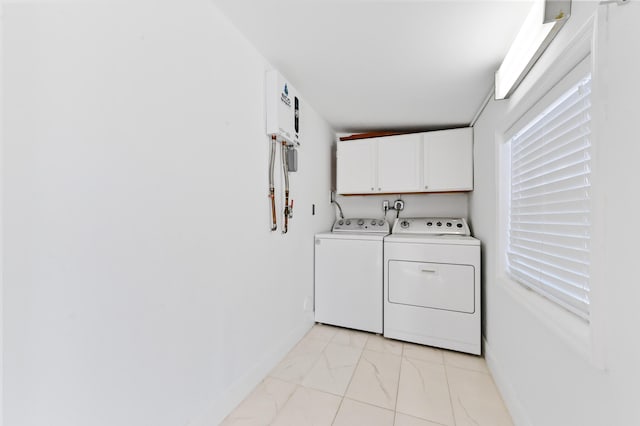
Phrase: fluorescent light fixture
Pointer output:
(542, 24)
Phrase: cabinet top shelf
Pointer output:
(370, 135)
(380, 134)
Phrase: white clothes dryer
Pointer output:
(432, 284)
(348, 274)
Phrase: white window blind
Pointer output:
(550, 201)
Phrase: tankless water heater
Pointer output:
(283, 109)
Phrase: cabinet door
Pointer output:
(448, 160)
(355, 168)
(399, 162)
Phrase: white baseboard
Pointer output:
(511, 400)
(239, 390)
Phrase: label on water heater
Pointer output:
(282, 109)
(284, 96)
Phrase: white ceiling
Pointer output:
(384, 65)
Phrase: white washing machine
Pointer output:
(348, 274)
(432, 284)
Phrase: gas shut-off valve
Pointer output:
(288, 210)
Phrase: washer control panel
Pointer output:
(361, 225)
(431, 225)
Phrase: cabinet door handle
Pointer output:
(372, 189)
(429, 271)
(426, 186)
(379, 189)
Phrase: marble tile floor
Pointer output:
(342, 377)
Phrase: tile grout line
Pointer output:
(369, 404)
(287, 356)
(446, 376)
(444, 362)
(279, 410)
(298, 384)
(468, 369)
(395, 407)
(317, 360)
(335, 416)
(486, 373)
(404, 356)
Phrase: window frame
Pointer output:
(544, 82)
(569, 82)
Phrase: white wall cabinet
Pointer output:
(448, 160)
(398, 164)
(355, 168)
(419, 162)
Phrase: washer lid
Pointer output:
(432, 239)
(369, 236)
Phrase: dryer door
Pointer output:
(443, 286)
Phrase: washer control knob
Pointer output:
(361, 222)
(348, 222)
(381, 222)
(439, 223)
(341, 222)
(459, 225)
(373, 222)
(404, 224)
(449, 224)
(429, 223)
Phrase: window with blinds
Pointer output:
(550, 201)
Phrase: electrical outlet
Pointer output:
(398, 205)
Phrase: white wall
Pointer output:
(548, 379)
(1, 222)
(142, 285)
(416, 205)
